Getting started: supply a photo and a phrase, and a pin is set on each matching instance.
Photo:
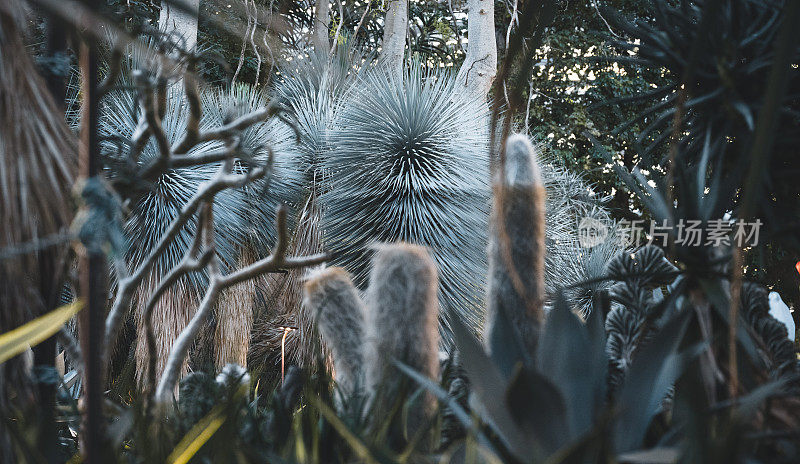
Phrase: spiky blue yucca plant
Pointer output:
(410, 163)
(237, 304)
(243, 217)
(570, 200)
(283, 186)
(310, 88)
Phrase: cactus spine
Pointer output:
(401, 324)
(516, 243)
(337, 310)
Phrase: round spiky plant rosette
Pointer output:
(571, 204)
(242, 216)
(311, 90)
(284, 183)
(410, 163)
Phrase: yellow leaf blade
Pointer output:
(36, 331)
(195, 438)
(355, 443)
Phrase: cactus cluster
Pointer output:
(396, 321)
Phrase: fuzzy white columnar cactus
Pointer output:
(517, 243)
(338, 312)
(401, 324)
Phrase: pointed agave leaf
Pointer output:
(36, 331)
(505, 345)
(596, 329)
(655, 369)
(539, 408)
(563, 356)
(450, 402)
(490, 388)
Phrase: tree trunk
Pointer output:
(394, 35)
(480, 65)
(92, 267)
(181, 21)
(322, 19)
(235, 319)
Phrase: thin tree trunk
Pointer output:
(480, 65)
(322, 20)
(181, 21)
(235, 319)
(394, 35)
(92, 271)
